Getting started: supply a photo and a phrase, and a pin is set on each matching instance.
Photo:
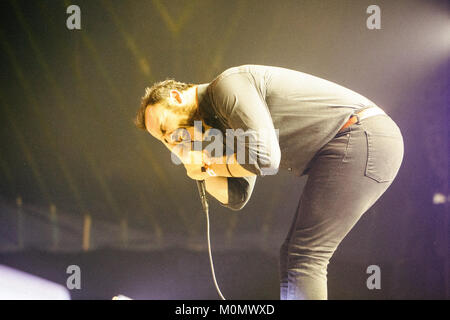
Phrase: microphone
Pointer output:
(202, 192)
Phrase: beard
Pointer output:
(193, 115)
(190, 114)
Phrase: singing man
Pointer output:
(270, 118)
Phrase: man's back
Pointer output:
(308, 111)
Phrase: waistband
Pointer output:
(362, 114)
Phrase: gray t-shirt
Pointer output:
(298, 114)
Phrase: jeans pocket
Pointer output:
(384, 156)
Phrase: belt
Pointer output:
(362, 114)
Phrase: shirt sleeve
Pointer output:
(239, 192)
(239, 103)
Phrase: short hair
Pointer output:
(157, 93)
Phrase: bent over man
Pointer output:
(349, 148)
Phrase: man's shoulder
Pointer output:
(234, 74)
(229, 83)
(246, 68)
(254, 71)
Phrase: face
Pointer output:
(171, 128)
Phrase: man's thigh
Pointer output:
(341, 187)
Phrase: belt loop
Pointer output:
(358, 116)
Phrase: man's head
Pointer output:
(167, 106)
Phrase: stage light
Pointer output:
(121, 297)
(439, 198)
(18, 285)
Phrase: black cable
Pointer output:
(202, 192)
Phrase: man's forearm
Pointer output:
(232, 169)
(218, 188)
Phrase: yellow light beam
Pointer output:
(142, 61)
(217, 61)
(50, 78)
(26, 152)
(172, 24)
(163, 178)
(37, 115)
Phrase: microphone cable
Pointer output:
(202, 192)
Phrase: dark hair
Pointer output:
(157, 93)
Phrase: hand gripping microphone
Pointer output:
(202, 192)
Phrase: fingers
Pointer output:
(206, 159)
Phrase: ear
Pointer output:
(175, 94)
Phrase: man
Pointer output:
(349, 148)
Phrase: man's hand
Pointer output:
(194, 162)
(194, 172)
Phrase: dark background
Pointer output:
(68, 98)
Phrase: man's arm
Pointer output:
(237, 100)
(218, 188)
(233, 193)
(229, 167)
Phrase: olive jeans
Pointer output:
(345, 178)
